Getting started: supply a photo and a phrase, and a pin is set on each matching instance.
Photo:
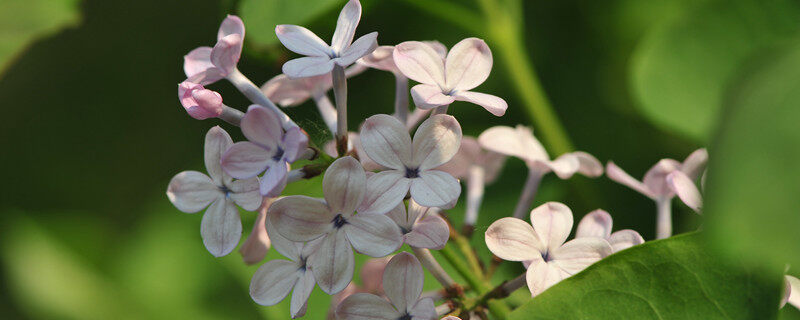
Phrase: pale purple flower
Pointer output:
(255, 247)
(422, 227)
(655, 185)
(470, 156)
(383, 57)
(290, 92)
(791, 292)
(540, 245)
(598, 224)
(371, 277)
(443, 81)
(269, 150)
(332, 220)
(321, 57)
(206, 65)
(687, 191)
(402, 281)
(192, 191)
(199, 102)
(411, 164)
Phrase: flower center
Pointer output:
(546, 256)
(278, 154)
(405, 317)
(302, 264)
(225, 190)
(339, 221)
(412, 173)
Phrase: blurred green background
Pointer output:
(92, 130)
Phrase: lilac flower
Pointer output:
(403, 280)
(199, 102)
(411, 164)
(353, 145)
(255, 247)
(371, 277)
(687, 191)
(270, 150)
(290, 92)
(321, 57)
(192, 191)
(422, 227)
(598, 224)
(541, 246)
(791, 292)
(443, 81)
(301, 218)
(383, 57)
(206, 65)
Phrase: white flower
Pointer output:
(542, 245)
(192, 191)
(320, 56)
(791, 293)
(598, 224)
(654, 185)
(422, 227)
(301, 218)
(411, 164)
(402, 282)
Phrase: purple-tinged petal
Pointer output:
(308, 67)
(274, 179)
(695, 163)
(301, 218)
(686, 190)
(577, 254)
(596, 224)
(514, 240)
(365, 306)
(616, 173)
(286, 247)
(217, 142)
(468, 64)
(200, 103)
(344, 185)
(333, 263)
(542, 275)
(468, 155)
(494, 104)
(403, 280)
(436, 141)
(245, 160)
(372, 275)
(381, 59)
(245, 193)
(656, 178)
(386, 141)
(385, 190)
(565, 166)
(255, 247)
(191, 191)
(294, 143)
(589, 165)
(517, 142)
(401, 217)
(288, 92)
(435, 188)
(302, 41)
(362, 47)
(373, 234)
(428, 96)
(302, 290)
(231, 25)
(430, 232)
(197, 61)
(346, 26)
(273, 281)
(221, 228)
(262, 126)
(553, 223)
(418, 61)
(226, 53)
(437, 46)
(624, 239)
(424, 309)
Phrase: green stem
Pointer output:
(498, 308)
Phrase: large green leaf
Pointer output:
(680, 70)
(753, 204)
(675, 278)
(261, 16)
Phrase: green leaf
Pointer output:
(754, 176)
(675, 278)
(261, 16)
(21, 22)
(680, 70)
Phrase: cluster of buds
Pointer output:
(383, 187)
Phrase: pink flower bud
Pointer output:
(199, 102)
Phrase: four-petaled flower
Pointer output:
(199, 102)
(269, 148)
(402, 283)
(411, 164)
(332, 220)
(443, 81)
(541, 246)
(422, 227)
(654, 185)
(383, 57)
(321, 57)
(598, 224)
(192, 191)
(206, 65)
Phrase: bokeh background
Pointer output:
(92, 131)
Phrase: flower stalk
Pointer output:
(664, 218)
(231, 115)
(340, 94)
(528, 193)
(254, 93)
(401, 98)
(326, 110)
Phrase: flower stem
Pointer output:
(340, 95)
(252, 92)
(440, 110)
(663, 218)
(326, 110)
(231, 115)
(475, 189)
(401, 98)
(503, 290)
(528, 193)
(429, 262)
(416, 116)
(497, 308)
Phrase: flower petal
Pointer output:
(434, 188)
(542, 275)
(308, 67)
(589, 165)
(686, 190)
(333, 262)
(436, 141)
(302, 290)
(386, 141)
(288, 92)
(255, 248)
(272, 282)
(553, 223)
(580, 253)
(656, 178)
(346, 26)
(373, 234)
(494, 104)
(226, 53)
(695, 163)
(424, 309)
(616, 173)
(794, 298)
(301, 218)
(262, 126)
(385, 190)
(596, 224)
(468, 64)
(381, 59)
(428, 96)
(564, 166)
(302, 41)
(231, 25)
(372, 274)
(191, 191)
(431, 232)
(365, 306)
(418, 61)
(362, 47)
(294, 143)
(401, 217)
(514, 240)
(245, 160)
(517, 142)
(221, 228)
(217, 142)
(273, 181)
(245, 193)
(403, 280)
(286, 247)
(344, 185)
(624, 239)
(197, 61)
